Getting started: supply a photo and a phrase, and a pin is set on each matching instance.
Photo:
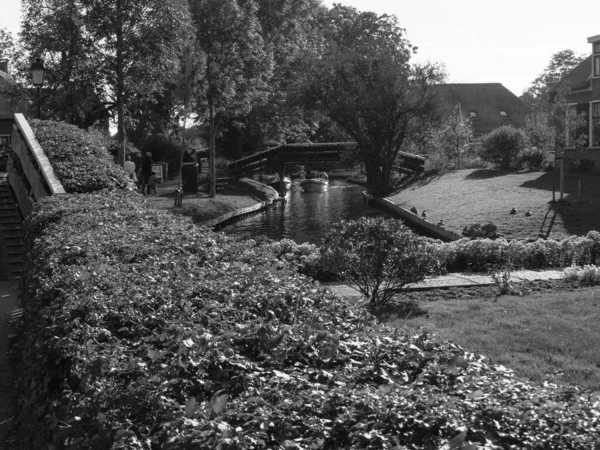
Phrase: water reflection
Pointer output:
(307, 216)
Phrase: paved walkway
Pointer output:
(8, 302)
(458, 280)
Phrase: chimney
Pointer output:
(4, 65)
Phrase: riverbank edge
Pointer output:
(238, 213)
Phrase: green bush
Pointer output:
(376, 256)
(142, 331)
(79, 158)
(477, 231)
(502, 145)
(483, 254)
(531, 158)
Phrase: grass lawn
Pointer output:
(200, 207)
(549, 335)
(465, 197)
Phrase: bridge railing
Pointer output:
(30, 173)
(272, 158)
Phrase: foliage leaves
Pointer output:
(143, 331)
(80, 158)
(376, 256)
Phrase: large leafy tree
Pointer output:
(548, 123)
(7, 45)
(237, 64)
(364, 81)
(560, 64)
(292, 29)
(117, 51)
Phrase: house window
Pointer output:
(595, 124)
(577, 124)
(596, 59)
(504, 115)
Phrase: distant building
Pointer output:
(582, 95)
(487, 105)
(7, 107)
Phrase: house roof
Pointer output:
(493, 104)
(578, 78)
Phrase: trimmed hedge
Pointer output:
(143, 331)
(80, 158)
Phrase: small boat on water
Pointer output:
(287, 183)
(273, 181)
(314, 184)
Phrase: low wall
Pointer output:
(38, 179)
(238, 214)
(256, 189)
(415, 222)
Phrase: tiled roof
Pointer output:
(487, 100)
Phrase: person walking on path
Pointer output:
(146, 171)
(130, 168)
(152, 184)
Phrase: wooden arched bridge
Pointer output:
(275, 158)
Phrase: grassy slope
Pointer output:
(464, 197)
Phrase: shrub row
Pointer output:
(80, 158)
(470, 254)
(143, 331)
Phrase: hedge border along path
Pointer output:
(143, 331)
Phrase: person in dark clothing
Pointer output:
(146, 171)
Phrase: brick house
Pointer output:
(487, 105)
(582, 95)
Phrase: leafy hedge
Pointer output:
(143, 331)
(80, 158)
(481, 254)
(469, 254)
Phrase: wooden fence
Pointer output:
(30, 173)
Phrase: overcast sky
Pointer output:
(478, 41)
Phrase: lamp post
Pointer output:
(38, 71)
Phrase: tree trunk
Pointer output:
(120, 90)
(212, 172)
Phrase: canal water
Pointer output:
(307, 216)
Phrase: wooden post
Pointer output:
(562, 175)
(281, 182)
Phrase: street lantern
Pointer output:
(38, 71)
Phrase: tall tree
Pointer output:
(292, 29)
(546, 98)
(455, 135)
(238, 65)
(7, 45)
(560, 64)
(118, 50)
(365, 83)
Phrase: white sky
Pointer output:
(478, 41)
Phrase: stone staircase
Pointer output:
(11, 233)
